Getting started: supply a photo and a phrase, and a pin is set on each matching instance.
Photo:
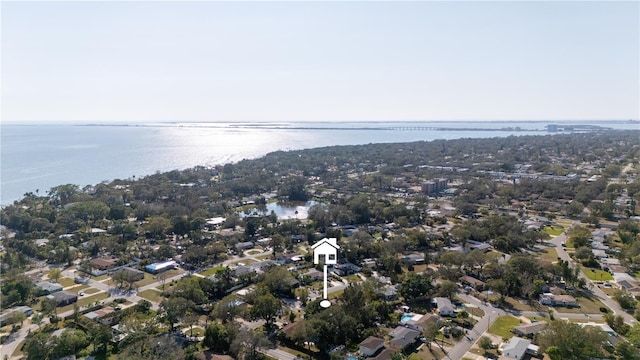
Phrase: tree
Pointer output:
(266, 307)
(154, 348)
(246, 344)
(37, 347)
(175, 308)
(216, 338)
(55, 274)
(415, 286)
(485, 343)
(565, 340)
(447, 288)
(625, 300)
(430, 333)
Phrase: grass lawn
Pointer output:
(294, 352)
(553, 230)
(101, 277)
(77, 289)
(254, 251)
(597, 274)
(532, 306)
(549, 254)
(212, 271)
(335, 294)
(475, 311)
(91, 290)
(587, 306)
(609, 290)
(151, 295)
(638, 275)
(265, 256)
(196, 331)
(424, 353)
(352, 278)
(503, 326)
(66, 282)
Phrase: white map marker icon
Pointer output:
(325, 251)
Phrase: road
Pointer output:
(597, 292)
(490, 315)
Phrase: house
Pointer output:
(477, 245)
(63, 298)
(445, 308)
(289, 258)
(515, 348)
(157, 268)
(370, 346)
(402, 337)
(422, 322)
(385, 354)
(242, 270)
(242, 246)
(8, 315)
(326, 251)
(529, 330)
(47, 287)
(390, 292)
(210, 355)
(314, 274)
(129, 274)
(473, 282)
(104, 263)
(346, 269)
(100, 316)
(558, 300)
(413, 259)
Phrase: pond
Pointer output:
(289, 210)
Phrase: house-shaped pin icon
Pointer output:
(327, 249)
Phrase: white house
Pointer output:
(515, 348)
(327, 250)
(445, 308)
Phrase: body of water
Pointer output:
(39, 157)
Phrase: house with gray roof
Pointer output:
(515, 348)
(370, 346)
(529, 330)
(445, 308)
(402, 337)
(48, 287)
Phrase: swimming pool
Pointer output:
(406, 318)
(351, 357)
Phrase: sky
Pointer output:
(201, 61)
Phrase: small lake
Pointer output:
(289, 210)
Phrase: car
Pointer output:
(469, 338)
(81, 293)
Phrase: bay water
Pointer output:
(39, 157)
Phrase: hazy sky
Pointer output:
(255, 61)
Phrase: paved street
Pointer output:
(609, 302)
(490, 315)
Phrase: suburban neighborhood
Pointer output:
(448, 258)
